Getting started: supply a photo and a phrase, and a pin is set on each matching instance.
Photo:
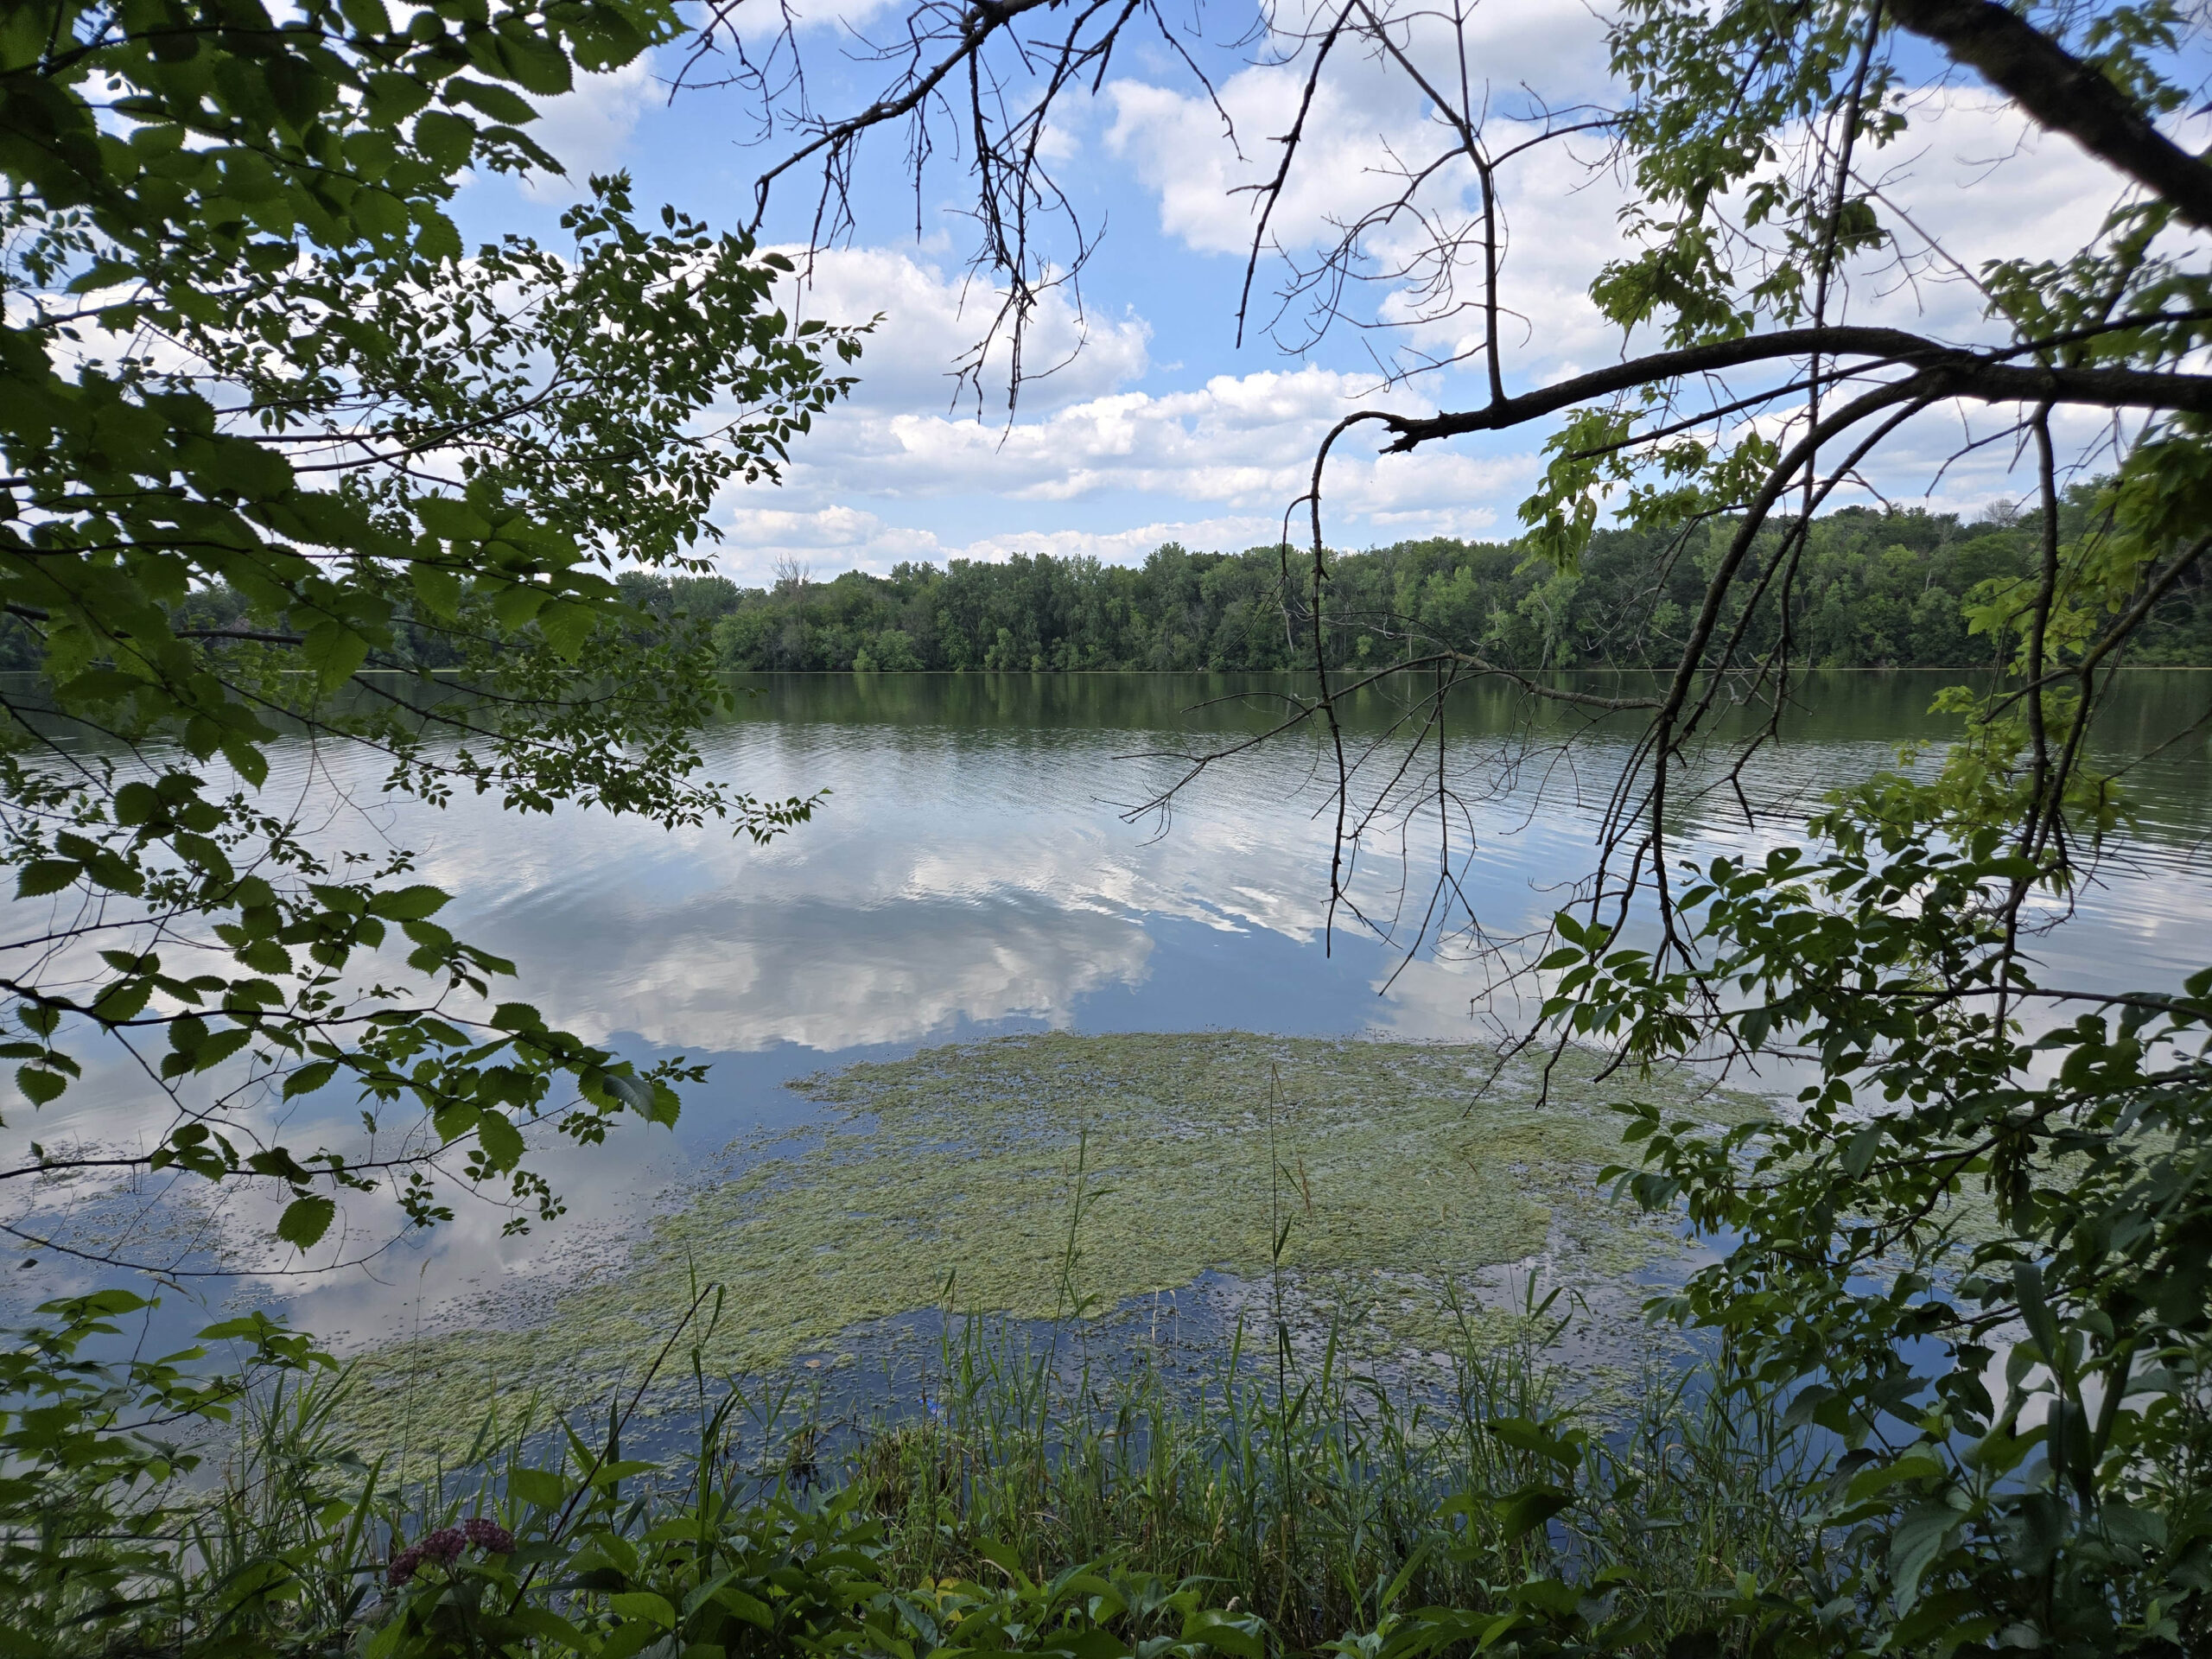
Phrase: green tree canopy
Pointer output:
(246, 357)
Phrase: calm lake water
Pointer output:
(976, 868)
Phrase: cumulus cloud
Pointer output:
(1110, 454)
(933, 320)
(587, 129)
(1241, 445)
(1970, 170)
(1365, 130)
(843, 538)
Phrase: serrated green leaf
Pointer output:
(445, 139)
(409, 904)
(46, 875)
(500, 1140)
(305, 1220)
(306, 1079)
(499, 102)
(39, 1086)
(451, 520)
(334, 652)
(567, 626)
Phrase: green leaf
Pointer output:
(305, 1220)
(498, 102)
(1226, 1633)
(515, 605)
(1529, 1508)
(46, 875)
(645, 1605)
(220, 1047)
(306, 1079)
(445, 139)
(1525, 1435)
(40, 1085)
(634, 1092)
(540, 1487)
(438, 588)
(334, 652)
(2035, 1312)
(535, 64)
(125, 1000)
(566, 625)
(549, 1626)
(451, 520)
(500, 1140)
(1919, 1539)
(1859, 1151)
(626, 1640)
(409, 903)
(436, 237)
(749, 1608)
(239, 466)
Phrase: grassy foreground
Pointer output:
(1033, 1503)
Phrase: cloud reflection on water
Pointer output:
(972, 871)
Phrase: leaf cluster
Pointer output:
(246, 355)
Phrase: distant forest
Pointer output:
(1875, 590)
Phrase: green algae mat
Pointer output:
(1382, 1180)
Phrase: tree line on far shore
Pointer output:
(1878, 589)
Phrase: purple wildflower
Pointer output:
(444, 1547)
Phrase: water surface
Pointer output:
(982, 862)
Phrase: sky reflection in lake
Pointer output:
(972, 871)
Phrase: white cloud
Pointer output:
(1368, 124)
(1103, 458)
(1970, 170)
(1241, 445)
(933, 320)
(844, 538)
(587, 129)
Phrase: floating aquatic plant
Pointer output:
(1369, 1178)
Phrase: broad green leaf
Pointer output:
(541, 1487)
(644, 1605)
(305, 1220)
(409, 904)
(445, 139)
(451, 520)
(334, 652)
(1529, 1508)
(500, 1140)
(498, 102)
(306, 1079)
(40, 1085)
(566, 627)
(46, 875)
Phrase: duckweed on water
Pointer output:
(1397, 1171)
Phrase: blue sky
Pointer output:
(1161, 427)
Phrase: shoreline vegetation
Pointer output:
(266, 422)
(1037, 1502)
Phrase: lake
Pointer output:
(981, 866)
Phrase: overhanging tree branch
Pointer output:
(1950, 370)
(2065, 94)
